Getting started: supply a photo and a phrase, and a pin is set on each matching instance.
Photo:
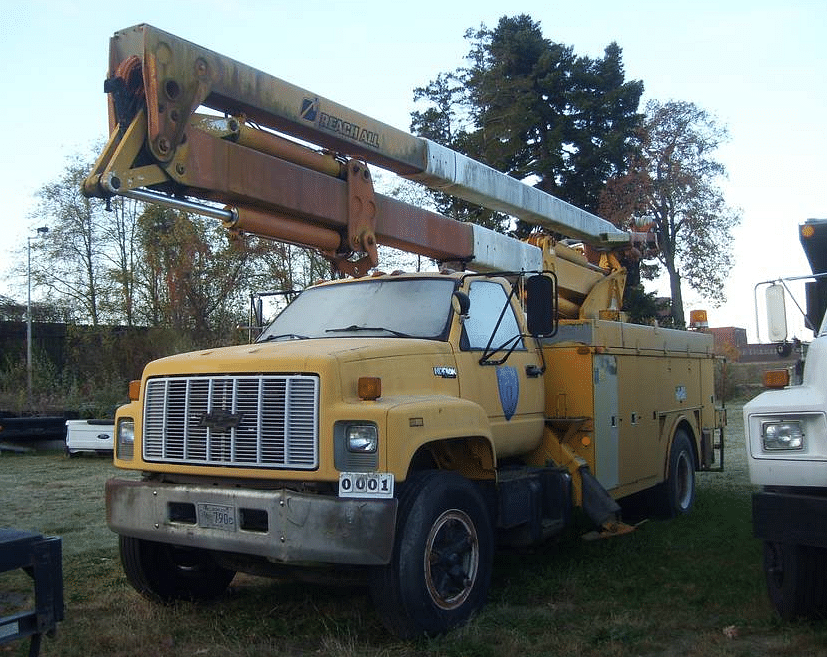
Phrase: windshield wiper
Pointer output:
(292, 336)
(353, 327)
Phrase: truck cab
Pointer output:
(372, 350)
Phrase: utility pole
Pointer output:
(42, 230)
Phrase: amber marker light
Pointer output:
(807, 231)
(370, 388)
(776, 379)
(698, 319)
(134, 390)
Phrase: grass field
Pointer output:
(691, 586)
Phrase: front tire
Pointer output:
(796, 579)
(164, 573)
(440, 570)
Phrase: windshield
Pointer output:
(403, 307)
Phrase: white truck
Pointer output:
(786, 441)
(94, 436)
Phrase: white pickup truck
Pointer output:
(89, 436)
(786, 441)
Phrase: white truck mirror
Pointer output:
(776, 313)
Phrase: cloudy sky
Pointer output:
(757, 66)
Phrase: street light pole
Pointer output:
(40, 231)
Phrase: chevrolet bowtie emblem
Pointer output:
(220, 420)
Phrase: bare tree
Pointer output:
(87, 259)
(121, 253)
(192, 277)
(674, 184)
(68, 258)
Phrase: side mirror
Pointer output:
(541, 305)
(461, 303)
(776, 313)
(816, 303)
(259, 312)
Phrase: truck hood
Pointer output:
(295, 355)
(795, 399)
(809, 396)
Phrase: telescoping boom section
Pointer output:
(163, 150)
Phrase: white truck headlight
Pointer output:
(782, 435)
(362, 438)
(126, 439)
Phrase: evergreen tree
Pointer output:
(532, 108)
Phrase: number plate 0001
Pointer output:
(217, 516)
(365, 484)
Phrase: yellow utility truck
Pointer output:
(396, 425)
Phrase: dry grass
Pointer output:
(688, 587)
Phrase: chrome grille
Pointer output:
(264, 421)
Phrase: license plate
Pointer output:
(216, 516)
(365, 484)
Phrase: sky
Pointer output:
(757, 66)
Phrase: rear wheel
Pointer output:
(440, 571)
(164, 573)
(796, 579)
(678, 493)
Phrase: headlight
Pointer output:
(782, 435)
(362, 438)
(126, 439)
(355, 446)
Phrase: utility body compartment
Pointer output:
(625, 384)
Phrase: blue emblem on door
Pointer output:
(509, 385)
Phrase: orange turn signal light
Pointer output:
(134, 390)
(776, 378)
(370, 388)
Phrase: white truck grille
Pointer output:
(259, 421)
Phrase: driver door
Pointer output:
(512, 393)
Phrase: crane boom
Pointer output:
(158, 81)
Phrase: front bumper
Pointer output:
(794, 517)
(286, 526)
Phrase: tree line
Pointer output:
(125, 263)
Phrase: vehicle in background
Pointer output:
(96, 436)
(786, 443)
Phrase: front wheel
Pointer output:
(441, 566)
(796, 579)
(164, 573)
